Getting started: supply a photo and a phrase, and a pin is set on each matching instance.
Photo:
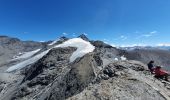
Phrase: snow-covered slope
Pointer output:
(83, 47)
(27, 62)
(52, 43)
(27, 54)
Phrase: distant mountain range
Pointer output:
(146, 47)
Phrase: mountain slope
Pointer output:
(97, 72)
(9, 47)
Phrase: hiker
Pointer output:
(151, 66)
(160, 73)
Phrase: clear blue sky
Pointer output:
(114, 21)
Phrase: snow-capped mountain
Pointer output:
(83, 47)
(146, 48)
(79, 69)
(164, 47)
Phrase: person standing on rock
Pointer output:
(151, 66)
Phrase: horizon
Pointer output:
(124, 46)
(116, 22)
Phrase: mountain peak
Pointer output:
(84, 37)
(63, 37)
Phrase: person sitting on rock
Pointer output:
(151, 66)
(160, 73)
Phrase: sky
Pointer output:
(117, 22)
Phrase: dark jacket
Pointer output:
(150, 66)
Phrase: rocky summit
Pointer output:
(45, 71)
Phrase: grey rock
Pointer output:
(100, 44)
(52, 59)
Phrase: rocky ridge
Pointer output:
(95, 76)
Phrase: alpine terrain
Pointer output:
(78, 69)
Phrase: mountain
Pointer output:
(77, 69)
(84, 37)
(146, 48)
(13, 47)
(164, 47)
(160, 55)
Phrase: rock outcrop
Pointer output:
(123, 81)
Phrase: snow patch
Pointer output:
(27, 54)
(116, 59)
(83, 47)
(27, 62)
(123, 58)
(52, 43)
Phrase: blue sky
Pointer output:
(119, 22)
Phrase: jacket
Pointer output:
(160, 72)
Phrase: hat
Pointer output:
(151, 61)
